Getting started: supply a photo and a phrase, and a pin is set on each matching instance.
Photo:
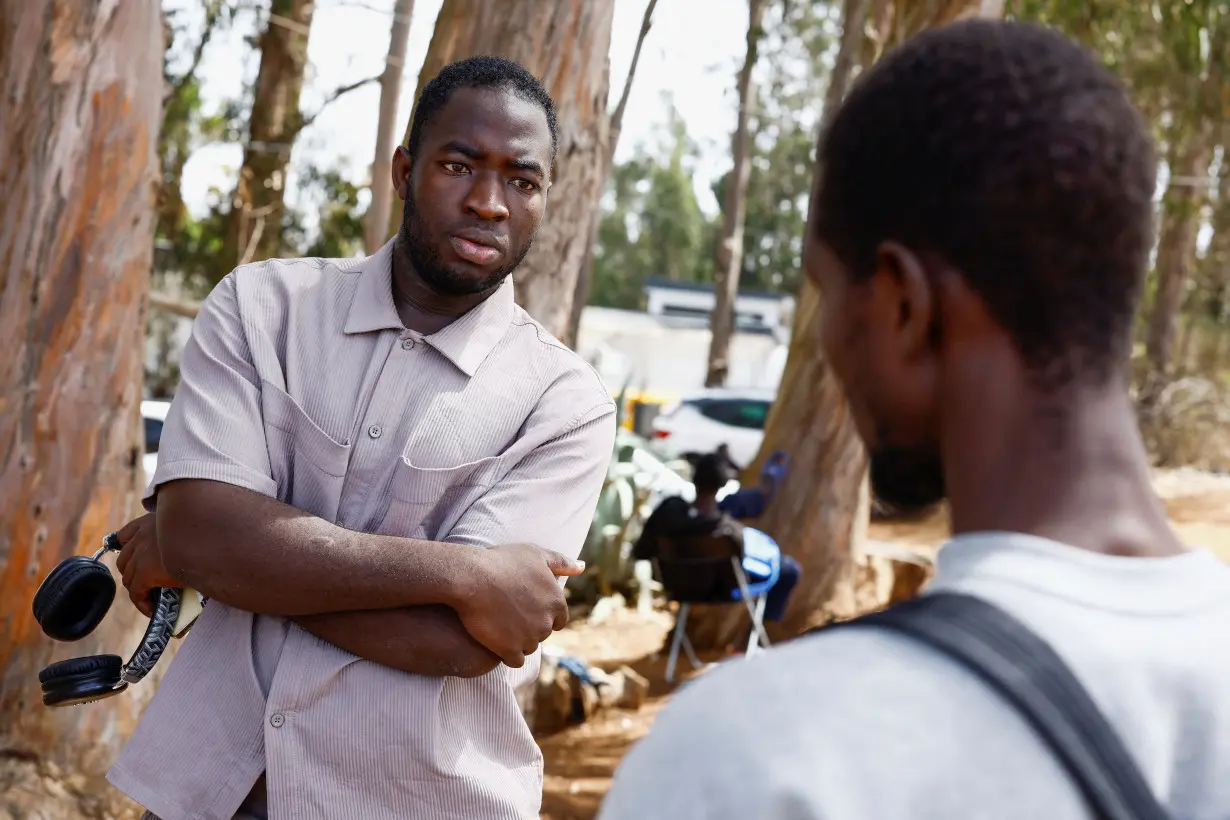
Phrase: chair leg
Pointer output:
(677, 640)
(758, 639)
(691, 653)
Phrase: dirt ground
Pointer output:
(581, 760)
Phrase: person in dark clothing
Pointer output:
(750, 502)
(723, 453)
(675, 521)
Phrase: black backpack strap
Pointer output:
(1026, 671)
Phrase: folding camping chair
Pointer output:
(715, 577)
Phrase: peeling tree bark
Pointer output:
(565, 44)
(730, 243)
(820, 513)
(79, 107)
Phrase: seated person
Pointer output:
(723, 453)
(675, 521)
(750, 502)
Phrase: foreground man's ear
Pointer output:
(905, 277)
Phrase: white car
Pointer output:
(153, 414)
(702, 422)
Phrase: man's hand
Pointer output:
(517, 601)
(140, 563)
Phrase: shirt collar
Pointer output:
(466, 342)
(372, 306)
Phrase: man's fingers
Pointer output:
(140, 599)
(514, 659)
(563, 566)
(561, 619)
(124, 560)
(130, 529)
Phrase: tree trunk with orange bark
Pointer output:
(81, 87)
(564, 43)
(820, 513)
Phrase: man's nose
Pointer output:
(486, 198)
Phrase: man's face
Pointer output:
(887, 364)
(476, 193)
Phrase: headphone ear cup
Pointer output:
(81, 680)
(74, 598)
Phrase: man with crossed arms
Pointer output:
(374, 469)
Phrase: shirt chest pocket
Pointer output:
(426, 502)
(308, 465)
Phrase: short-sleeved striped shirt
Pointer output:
(301, 382)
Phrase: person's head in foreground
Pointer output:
(979, 233)
(474, 175)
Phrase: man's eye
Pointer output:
(455, 168)
(525, 185)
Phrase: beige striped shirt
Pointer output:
(301, 382)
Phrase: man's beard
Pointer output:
(907, 479)
(433, 270)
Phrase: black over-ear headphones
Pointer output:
(71, 602)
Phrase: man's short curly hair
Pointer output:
(479, 72)
(1010, 152)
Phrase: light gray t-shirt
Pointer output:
(862, 724)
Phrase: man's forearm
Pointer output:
(425, 640)
(255, 553)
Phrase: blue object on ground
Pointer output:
(577, 668)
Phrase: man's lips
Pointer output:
(477, 252)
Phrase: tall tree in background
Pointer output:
(819, 514)
(1213, 276)
(1196, 37)
(257, 215)
(730, 245)
(80, 105)
(183, 125)
(654, 225)
(580, 295)
(254, 228)
(183, 246)
(795, 66)
(1188, 155)
(377, 219)
(1172, 57)
(564, 43)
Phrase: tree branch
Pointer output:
(170, 304)
(617, 118)
(332, 98)
(580, 293)
(213, 11)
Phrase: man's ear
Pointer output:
(402, 165)
(903, 283)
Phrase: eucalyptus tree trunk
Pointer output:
(80, 105)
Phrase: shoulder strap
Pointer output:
(1026, 671)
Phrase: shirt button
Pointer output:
(407, 344)
(374, 431)
(276, 721)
